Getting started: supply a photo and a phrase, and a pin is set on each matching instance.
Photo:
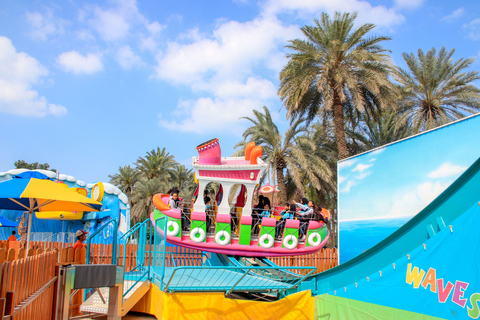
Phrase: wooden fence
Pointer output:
(102, 254)
(323, 260)
(27, 287)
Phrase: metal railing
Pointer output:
(229, 279)
(113, 243)
(137, 265)
(159, 243)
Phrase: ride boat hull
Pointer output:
(243, 244)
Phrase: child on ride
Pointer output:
(287, 213)
(266, 212)
(174, 201)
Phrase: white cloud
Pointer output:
(428, 191)
(362, 167)
(412, 203)
(378, 151)
(154, 28)
(346, 163)
(74, 62)
(474, 29)
(56, 109)
(348, 186)
(18, 72)
(409, 4)
(340, 179)
(207, 115)
(446, 170)
(223, 68)
(45, 25)
(85, 35)
(454, 15)
(261, 89)
(127, 58)
(232, 51)
(408, 204)
(362, 175)
(112, 26)
(372, 160)
(379, 15)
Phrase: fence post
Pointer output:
(9, 303)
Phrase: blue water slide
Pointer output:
(457, 199)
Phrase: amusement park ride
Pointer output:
(226, 237)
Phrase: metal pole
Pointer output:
(29, 230)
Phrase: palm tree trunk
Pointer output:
(339, 127)
(321, 198)
(281, 186)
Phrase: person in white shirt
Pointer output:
(174, 202)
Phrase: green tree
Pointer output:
(22, 164)
(436, 90)
(142, 197)
(336, 63)
(293, 151)
(385, 128)
(157, 163)
(125, 179)
(183, 178)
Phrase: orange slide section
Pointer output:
(158, 202)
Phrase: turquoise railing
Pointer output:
(158, 272)
(114, 240)
(230, 279)
(137, 268)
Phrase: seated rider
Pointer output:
(287, 213)
(318, 215)
(185, 216)
(208, 211)
(305, 214)
(266, 212)
(174, 201)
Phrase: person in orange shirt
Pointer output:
(12, 237)
(81, 237)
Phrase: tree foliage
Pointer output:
(22, 164)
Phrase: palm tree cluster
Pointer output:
(342, 76)
(157, 172)
(343, 96)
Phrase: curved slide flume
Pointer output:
(459, 197)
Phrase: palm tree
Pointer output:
(437, 90)
(125, 179)
(293, 150)
(334, 64)
(183, 178)
(142, 197)
(157, 163)
(386, 127)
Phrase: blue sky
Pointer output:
(90, 86)
(401, 179)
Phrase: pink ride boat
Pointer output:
(231, 229)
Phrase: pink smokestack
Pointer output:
(209, 152)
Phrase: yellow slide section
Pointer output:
(189, 306)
